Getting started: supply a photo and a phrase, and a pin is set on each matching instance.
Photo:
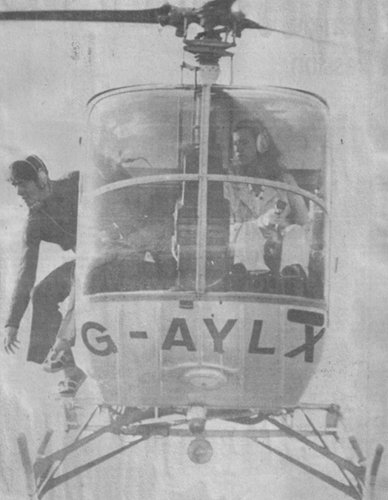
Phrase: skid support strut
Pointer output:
(41, 476)
(353, 473)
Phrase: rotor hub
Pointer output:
(208, 50)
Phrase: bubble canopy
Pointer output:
(263, 228)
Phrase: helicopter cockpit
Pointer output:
(161, 216)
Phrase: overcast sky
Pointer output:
(50, 70)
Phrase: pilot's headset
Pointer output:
(40, 169)
(260, 133)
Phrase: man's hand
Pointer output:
(11, 339)
(276, 217)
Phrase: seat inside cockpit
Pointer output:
(147, 233)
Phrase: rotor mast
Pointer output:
(208, 54)
(207, 48)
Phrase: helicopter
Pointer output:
(158, 279)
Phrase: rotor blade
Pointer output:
(288, 33)
(247, 23)
(146, 16)
(222, 5)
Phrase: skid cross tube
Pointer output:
(43, 473)
(46, 467)
(43, 464)
(56, 481)
(360, 481)
(358, 471)
(343, 464)
(351, 492)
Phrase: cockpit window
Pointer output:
(141, 135)
(263, 229)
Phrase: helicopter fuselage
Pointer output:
(173, 308)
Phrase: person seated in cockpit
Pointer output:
(267, 232)
(133, 246)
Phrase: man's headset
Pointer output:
(262, 142)
(261, 135)
(40, 169)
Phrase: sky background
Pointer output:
(48, 73)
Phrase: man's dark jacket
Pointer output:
(54, 221)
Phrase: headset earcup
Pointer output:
(42, 179)
(40, 169)
(262, 142)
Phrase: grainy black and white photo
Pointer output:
(193, 249)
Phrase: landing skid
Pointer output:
(44, 474)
